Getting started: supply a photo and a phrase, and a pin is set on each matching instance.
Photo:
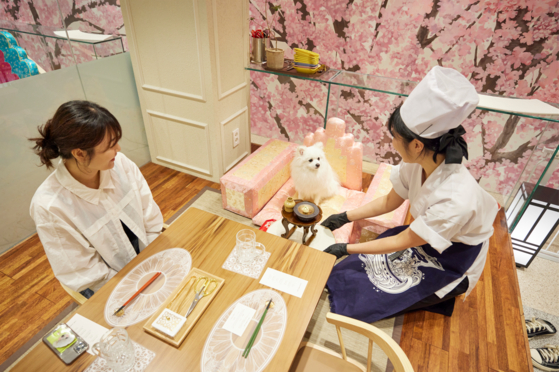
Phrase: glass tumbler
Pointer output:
(247, 250)
(117, 349)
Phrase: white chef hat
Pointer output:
(439, 103)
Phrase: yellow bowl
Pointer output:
(306, 53)
(306, 61)
(305, 58)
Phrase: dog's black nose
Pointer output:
(318, 165)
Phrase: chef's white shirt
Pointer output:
(449, 207)
(80, 228)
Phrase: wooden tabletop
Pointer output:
(209, 239)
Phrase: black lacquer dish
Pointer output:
(306, 211)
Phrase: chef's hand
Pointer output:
(338, 250)
(336, 221)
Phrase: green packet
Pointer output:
(62, 338)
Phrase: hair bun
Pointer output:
(52, 147)
(45, 147)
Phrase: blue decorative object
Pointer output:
(16, 56)
(7, 41)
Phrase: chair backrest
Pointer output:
(343, 153)
(394, 352)
(77, 296)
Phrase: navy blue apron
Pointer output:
(370, 287)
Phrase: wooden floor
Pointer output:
(485, 333)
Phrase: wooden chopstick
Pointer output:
(253, 338)
(139, 291)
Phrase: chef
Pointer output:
(441, 254)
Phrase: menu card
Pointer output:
(284, 282)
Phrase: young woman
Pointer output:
(95, 212)
(441, 254)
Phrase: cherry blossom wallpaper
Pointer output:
(505, 47)
(93, 16)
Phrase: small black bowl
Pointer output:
(306, 211)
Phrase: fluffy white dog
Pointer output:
(313, 176)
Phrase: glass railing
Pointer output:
(531, 165)
(53, 48)
(380, 84)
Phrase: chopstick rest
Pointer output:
(169, 322)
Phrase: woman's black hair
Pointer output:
(397, 126)
(75, 125)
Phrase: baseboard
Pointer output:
(549, 256)
(368, 167)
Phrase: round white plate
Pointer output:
(174, 264)
(223, 350)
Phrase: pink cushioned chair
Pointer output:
(346, 158)
(261, 183)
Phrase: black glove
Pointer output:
(336, 221)
(338, 250)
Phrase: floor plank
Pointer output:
(486, 331)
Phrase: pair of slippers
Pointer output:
(545, 358)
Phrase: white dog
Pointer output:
(313, 176)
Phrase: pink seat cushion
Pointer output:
(246, 188)
(345, 200)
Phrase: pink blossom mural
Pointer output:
(93, 16)
(508, 48)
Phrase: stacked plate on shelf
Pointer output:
(306, 61)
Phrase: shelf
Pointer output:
(393, 86)
(46, 31)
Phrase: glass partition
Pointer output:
(24, 105)
(30, 102)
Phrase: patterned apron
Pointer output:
(370, 287)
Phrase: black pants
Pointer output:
(434, 304)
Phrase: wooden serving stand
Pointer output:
(175, 302)
(291, 218)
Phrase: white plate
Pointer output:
(223, 350)
(174, 264)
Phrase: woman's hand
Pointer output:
(338, 250)
(336, 221)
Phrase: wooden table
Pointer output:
(209, 239)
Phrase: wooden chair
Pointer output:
(77, 296)
(315, 358)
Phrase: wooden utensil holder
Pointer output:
(174, 302)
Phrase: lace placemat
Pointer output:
(174, 264)
(252, 270)
(223, 350)
(143, 358)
